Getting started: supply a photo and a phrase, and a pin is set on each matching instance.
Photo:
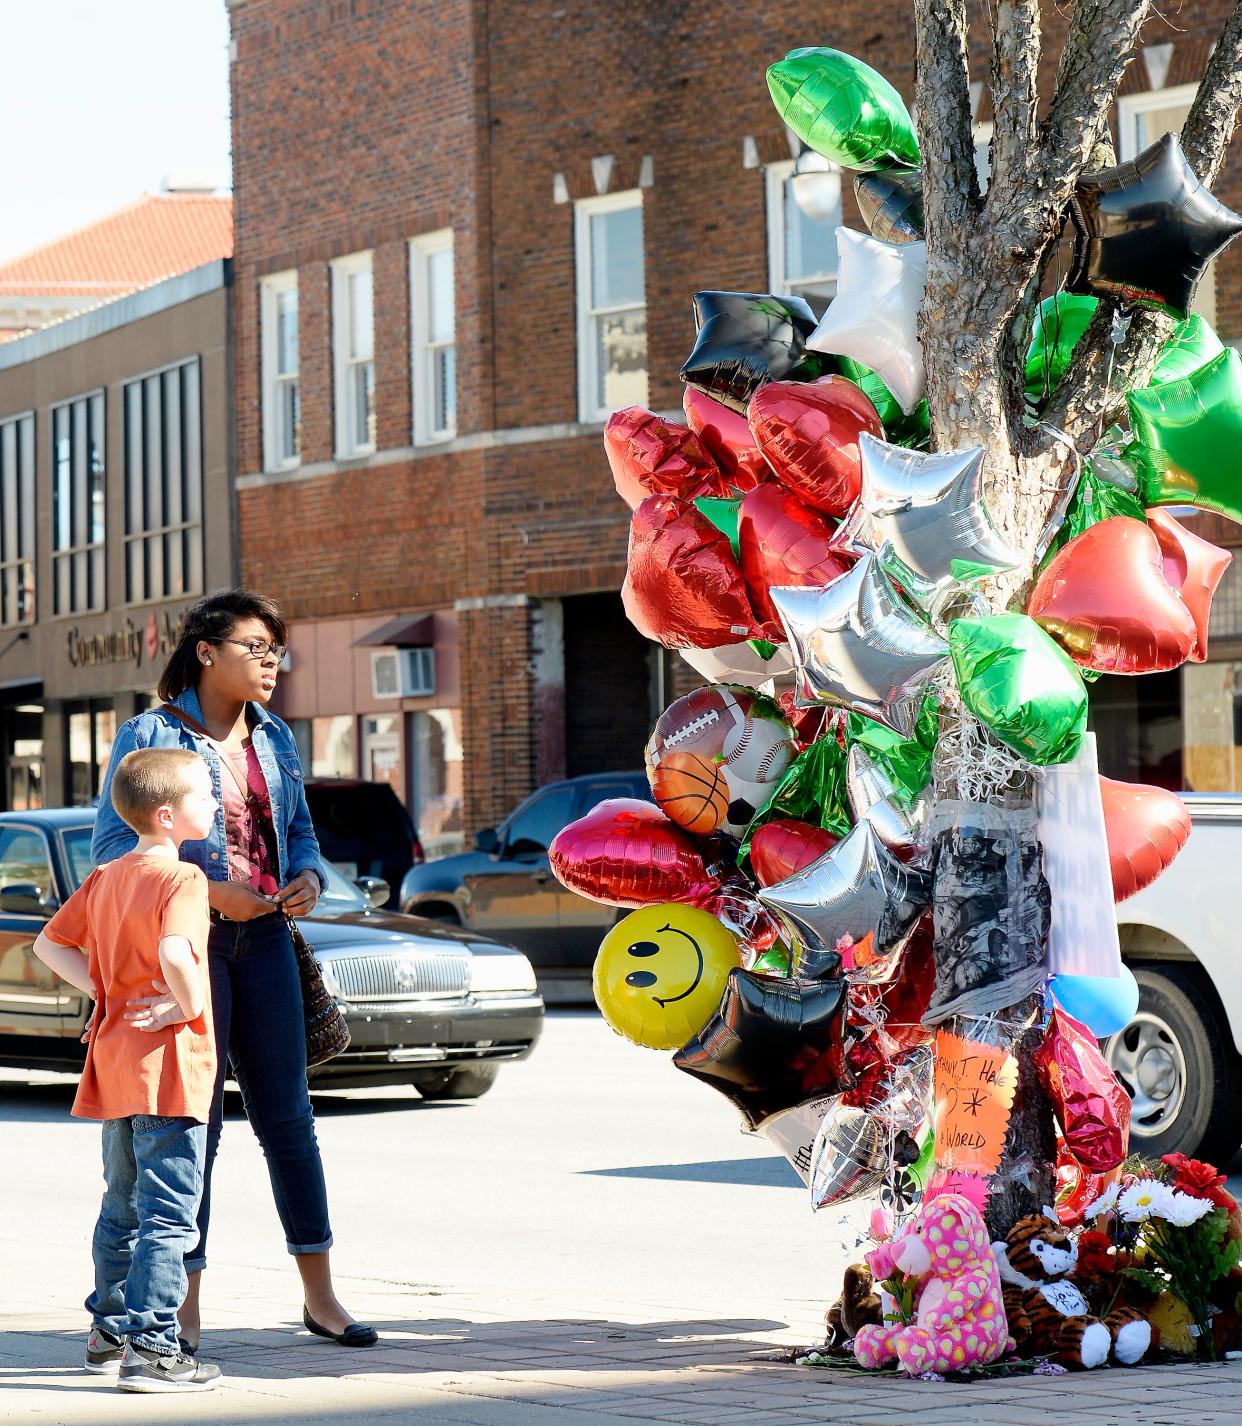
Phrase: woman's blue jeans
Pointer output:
(256, 1003)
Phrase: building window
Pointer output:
(78, 505)
(353, 346)
(804, 213)
(1141, 120)
(163, 485)
(433, 336)
(278, 315)
(17, 520)
(326, 746)
(90, 728)
(612, 305)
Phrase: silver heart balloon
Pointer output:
(849, 1158)
(857, 888)
(873, 798)
(873, 318)
(922, 514)
(858, 644)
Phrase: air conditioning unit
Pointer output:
(403, 673)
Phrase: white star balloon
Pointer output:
(872, 318)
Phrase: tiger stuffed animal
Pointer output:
(1047, 1313)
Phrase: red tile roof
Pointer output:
(159, 236)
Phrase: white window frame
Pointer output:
(588, 376)
(775, 176)
(270, 289)
(17, 520)
(80, 567)
(1131, 106)
(423, 350)
(350, 443)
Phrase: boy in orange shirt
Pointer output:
(136, 919)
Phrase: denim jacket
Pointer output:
(296, 845)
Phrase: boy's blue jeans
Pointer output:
(153, 1177)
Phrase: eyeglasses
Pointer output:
(256, 648)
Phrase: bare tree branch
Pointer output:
(1015, 97)
(1209, 125)
(942, 97)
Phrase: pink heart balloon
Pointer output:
(1145, 827)
(784, 542)
(1194, 567)
(727, 438)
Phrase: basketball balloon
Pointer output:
(716, 756)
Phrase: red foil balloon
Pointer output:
(808, 433)
(626, 852)
(727, 438)
(1093, 1108)
(1106, 601)
(1076, 1188)
(683, 588)
(1145, 827)
(783, 541)
(1194, 567)
(783, 846)
(651, 456)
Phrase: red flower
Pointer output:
(1199, 1180)
(1096, 1262)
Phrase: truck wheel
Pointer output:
(1178, 1064)
(457, 1084)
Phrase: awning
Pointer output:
(407, 631)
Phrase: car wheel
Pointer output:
(1177, 1062)
(458, 1083)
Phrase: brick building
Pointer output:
(465, 231)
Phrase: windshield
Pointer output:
(338, 893)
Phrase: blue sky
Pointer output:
(101, 100)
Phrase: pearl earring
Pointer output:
(206, 660)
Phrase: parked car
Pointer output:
(363, 829)
(505, 887)
(427, 1005)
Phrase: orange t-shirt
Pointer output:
(117, 916)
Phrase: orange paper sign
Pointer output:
(975, 1086)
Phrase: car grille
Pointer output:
(402, 975)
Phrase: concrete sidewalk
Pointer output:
(471, 1362)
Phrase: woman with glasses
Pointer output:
(261, 859)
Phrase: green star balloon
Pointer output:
(1060, 321)
(843, 109)
(1094, 500)
(899, 429)
(1014, 678)
(811, 790)
(1187, 444)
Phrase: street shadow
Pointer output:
(747, 1173)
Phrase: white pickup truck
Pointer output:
(1182, 937)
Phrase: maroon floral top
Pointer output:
(248, 826)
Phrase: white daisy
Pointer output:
(1103, 1203)
(1145, 1198)
(1184, 1209)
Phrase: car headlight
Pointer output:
(490, 973)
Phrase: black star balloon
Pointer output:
(745, 340)
(1146, 230)
(772, 1043)
(891, 203)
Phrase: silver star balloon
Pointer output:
(873, 317)
(873, 798)
(856, 643)
(924, 516)
(849, 1157)
(858, 888)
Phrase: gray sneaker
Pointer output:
(103, 1353)
(144, 1370)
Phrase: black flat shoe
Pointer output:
(186, 1348)
(355, 1335)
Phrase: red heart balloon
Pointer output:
(1194, 567)
(783, 541)
(1106, 601)
(683, 588)
(626, 852)
(1146, 827)
(651, 456)
(808, 433)
(783, 846)
(727, 438)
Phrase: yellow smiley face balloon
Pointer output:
(660, 973)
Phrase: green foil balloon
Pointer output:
(1187, 444)
(1094, 500)
(723, 514)
(906, 761)
(812, 790)
(899, 429)
(843, 109)
(1060, 321)
(1014, 678)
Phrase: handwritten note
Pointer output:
(974, 1085)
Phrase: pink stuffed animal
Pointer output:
(960, 1315)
